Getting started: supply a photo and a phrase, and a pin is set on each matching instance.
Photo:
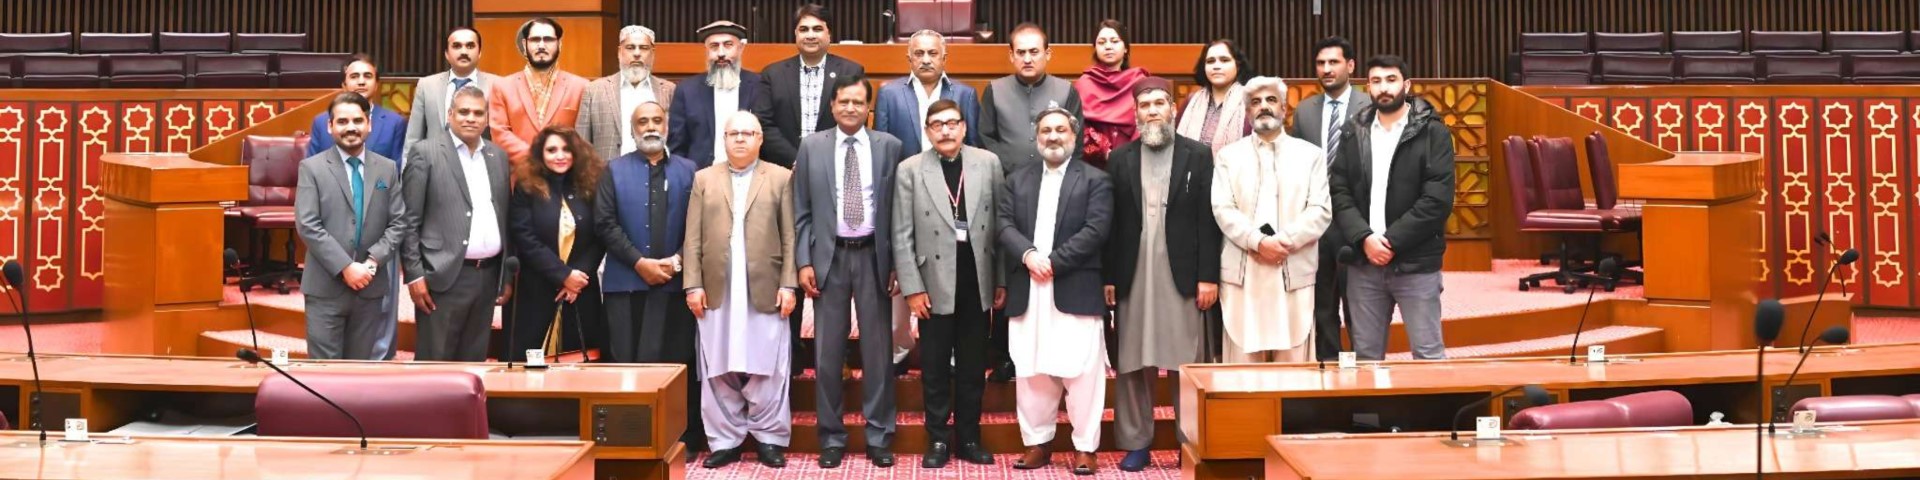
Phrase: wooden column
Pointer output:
(589, 28)
(163, 256)
(1702, 259)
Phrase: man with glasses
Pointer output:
(538, 96)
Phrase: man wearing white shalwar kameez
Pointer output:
(1054, 219)
(1270, 199)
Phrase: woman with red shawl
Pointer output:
(1106, 95)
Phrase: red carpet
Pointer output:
(908, 467)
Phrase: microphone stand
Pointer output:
(33, 402)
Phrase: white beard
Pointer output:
(1156, 134)
(727, 78)
(1054, 154)
(1266, 125)
(637, 73)
(650, 144)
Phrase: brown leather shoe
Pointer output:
(1084, 463)
(1037, 456)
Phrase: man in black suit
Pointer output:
(1320, 120)
(702, 102)
(802, 85)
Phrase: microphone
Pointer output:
(512, 267)
(1831, 336)
(233, 261)
(1341, 260)
(16, 283)
(1846, 258)
(1767, 318)
(1605, 269)
(254, 358)
(1535, 396)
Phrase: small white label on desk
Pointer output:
(76, 430)
(1383, 379)
(1486, 428)
(1803, 421)
(1596, 354)
(280, 358)
(1349, 360)
(536, 357)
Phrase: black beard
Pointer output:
(1393, 105)
(539, 65)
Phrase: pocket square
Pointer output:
(380, 185)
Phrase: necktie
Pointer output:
(850, 199)
(359, 200)
(460, 83)
(1333, 124)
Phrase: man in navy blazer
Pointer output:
(902, 108)
(693, 119)
(386, 133)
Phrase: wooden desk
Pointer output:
(642, 404)
(285, 457)
(1867, 450)
(1227, 411)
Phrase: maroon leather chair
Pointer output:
(953, 19)
(104, 43)
(1815, 69)
(236, 70)
(1640, 42)
(1855, 408)
(1559, 42)
(1867, 42)
(309, 70)
(1719, 69)
(1913, 399)
(1721, 42)
(1661, 408)
(61, 42)
(1556, 69)
(177, 42)
(273, 177)
(1635, 69)
(1606, 198)
(404, 404)
(1913, 41)
(1532, 214)
(269, 42)
(151, 70)
(1885, 69)
(8, 66)
(59, 71)
(1763, 41)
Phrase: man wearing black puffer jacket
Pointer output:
(1392, 190)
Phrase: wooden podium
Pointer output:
(1701, 220)
(163, 253)
(590, 30)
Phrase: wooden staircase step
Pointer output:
(1619, 339)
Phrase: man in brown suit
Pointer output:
(537, 97)
(740, 284)
(610, 100)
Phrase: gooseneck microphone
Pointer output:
(233, 261)
(1831, 336)
(1535, 396)
(1766, 328)
(511, 268)
(17, 283)
(1605, 269)
(1846, 258)
(254, 358)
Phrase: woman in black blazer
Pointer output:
(562, 169)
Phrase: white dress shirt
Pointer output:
(863, 148)
(631, 96)
(926, 100)
(483, 232)
(1385, 139)
(725, 102)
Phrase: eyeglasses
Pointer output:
(938, 125)
(542, 40)
(742, 134)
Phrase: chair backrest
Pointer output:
(149, 70)
(61, 42)
(269, 42)
(1867, 42)
(1558, 167)
(273, 168)
(1556, 68)
(97, 43)
(1815, 69)
(1521, 184)
(1728, 41)
(1644, 42)
(1606, 190)
(310, 70)
(1763, 41)
(233, 70)
(177, 42)
(1717, 68)
(1885, 69)
(1636, 68)
(1913, 399)
(60, 71)
(417, 404)
(948, 17)
(1855, 408)
(1661, 408)
(1568, 42)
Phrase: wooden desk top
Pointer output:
(1454, 376)
(286, 457)
(208, 374)
(1865, 450)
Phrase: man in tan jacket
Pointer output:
(610, 101)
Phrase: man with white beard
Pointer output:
(705, 100)
(1054, 218)
(610, 100)
(643, 210)
(1272, 205)
(1162, 280)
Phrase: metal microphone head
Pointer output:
(1849, 256)
(248, 354)
(1536, 395)
(512, 264)
(233, 257)
(1607, 267)
(1767, 319)
(1345, 256)
(15, 277)
(1835, 336)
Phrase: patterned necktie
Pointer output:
(460, 83)
(1333, 125)
(358, 182)
(850, 189)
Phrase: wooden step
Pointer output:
(231, 341)
(1619, 339)
(909, 393)
(999, 432)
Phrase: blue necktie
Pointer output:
(460, 83)
(359, 201)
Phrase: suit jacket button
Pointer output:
(469, 214)
(463, 242)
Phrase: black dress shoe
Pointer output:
(936, 457)
(721, 458)
(773, 456)
(975, 454)
(880, 456)
(830, 457)
(1002, 373)
(900, 368)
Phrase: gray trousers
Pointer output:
(1133, 407)
(1373, 291)
(390, 310)
(344, 327)
(459, 329)
(854, 287)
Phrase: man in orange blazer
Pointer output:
(537, 96)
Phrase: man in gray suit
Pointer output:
(347, 212)
(434, 94)
(841, 180)
(1320, 119)
(457, 187)
(609, 102)
(943, 250)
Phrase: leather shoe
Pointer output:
(1002, 373)
(1136, 460)
(973, 453)
(1037, 456)
(880, 456)
(830, 457)
(721, 458)
(1084, 463)
(772, 456)
(936, 457)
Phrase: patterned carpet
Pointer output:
(908, 467)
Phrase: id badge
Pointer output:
(960, 230)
